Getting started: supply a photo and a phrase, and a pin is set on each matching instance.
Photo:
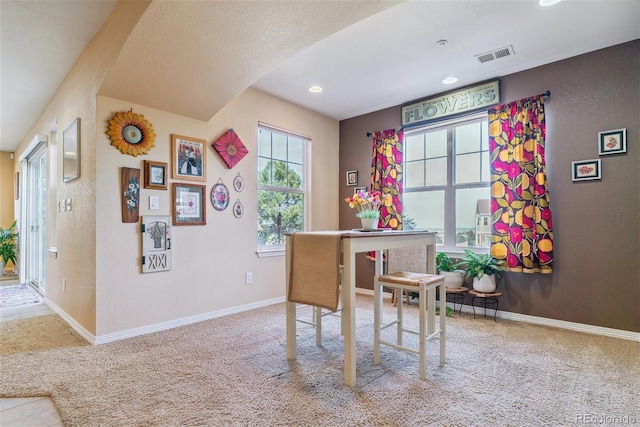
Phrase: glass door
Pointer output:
(36, 216)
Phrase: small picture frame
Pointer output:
(188, 205)
(612, 142)
(352, 178)
(71, 151)
(586, 170)
(155, 175)
(359, 190)
(189, 158)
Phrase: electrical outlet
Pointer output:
(248, 278)
(64, 285)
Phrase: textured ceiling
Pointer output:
(192, 57)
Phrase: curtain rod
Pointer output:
(370, 134)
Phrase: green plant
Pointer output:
(445, 263)
(9, 244)
(479, 265)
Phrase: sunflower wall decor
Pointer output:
(230, 148)
(131, 133)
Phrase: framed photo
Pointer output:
(352, 178)
(359, 189)
(586, 170)
(188, 205)
(155, 175)
(71, 151)
(189, 158)
(612, 142)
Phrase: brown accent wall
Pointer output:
(596, 275)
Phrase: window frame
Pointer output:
(450, 187)
(279, 250)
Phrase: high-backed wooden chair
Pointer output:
(401, 280)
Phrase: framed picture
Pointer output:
(352, 178)
(71, 151)
(155, 175)
(188, 206)
(612, 142)
(586, 170)
(189, 158)
(359, 189)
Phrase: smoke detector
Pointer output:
(495, 54)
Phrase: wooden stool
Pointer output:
(425, 285)
(491, 298)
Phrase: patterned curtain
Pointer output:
(520, 211)
(386, 175)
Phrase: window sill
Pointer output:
(270, 253)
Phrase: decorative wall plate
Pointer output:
(220, 196)
(230, 148)
(238, 183)
(238, 209)
(131, 133)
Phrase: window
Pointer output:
(281, 186)
(447, 182)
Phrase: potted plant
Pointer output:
(368, 206)
(8, 246)
(483, 269)
(453, 277)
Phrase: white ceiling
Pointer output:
(367, 55)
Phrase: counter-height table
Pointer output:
(351, 243)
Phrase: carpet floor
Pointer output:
(233, 371)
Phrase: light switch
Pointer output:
(68, 203)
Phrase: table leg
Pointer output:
(349, 313)
(290, 308)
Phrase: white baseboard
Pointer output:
(103, 339)
(554, 323)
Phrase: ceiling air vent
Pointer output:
(495, 54)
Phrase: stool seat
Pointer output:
(408, 278)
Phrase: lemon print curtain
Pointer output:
(386, 175)
(520, 212)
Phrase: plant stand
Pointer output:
(490, 299)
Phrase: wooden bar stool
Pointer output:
(425, 285)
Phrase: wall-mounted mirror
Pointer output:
(71, 151)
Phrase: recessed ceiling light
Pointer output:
(548, 2)
(450, 80)
(315, 89)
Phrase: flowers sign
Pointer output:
(366, 203)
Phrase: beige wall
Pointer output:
(7, 214)
(209, 262)
(7, 205)
(75, 230)
(99, 256)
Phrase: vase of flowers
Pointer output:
(368, 206)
